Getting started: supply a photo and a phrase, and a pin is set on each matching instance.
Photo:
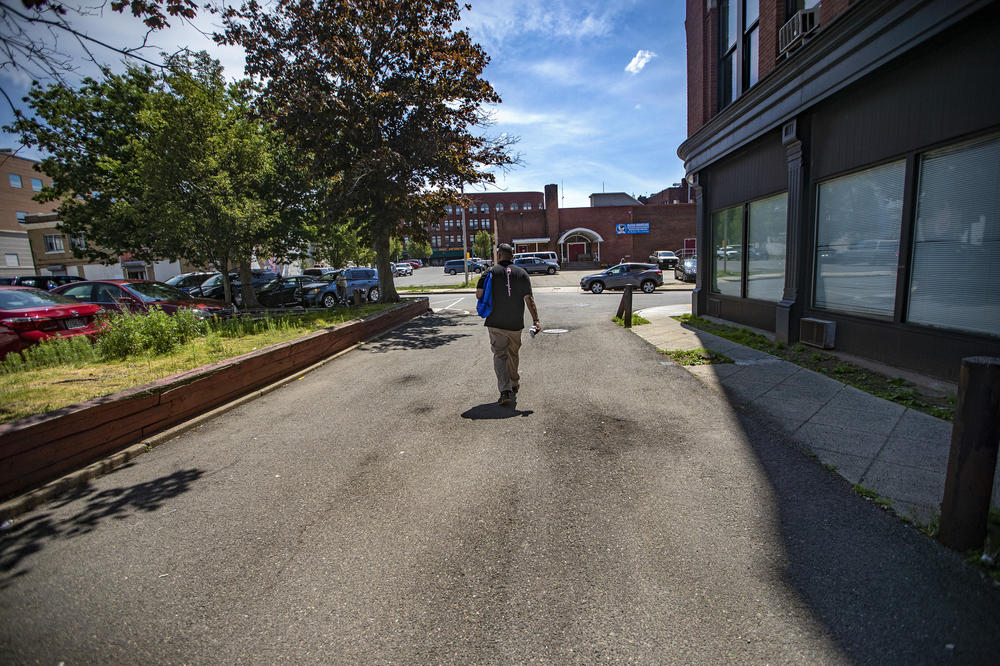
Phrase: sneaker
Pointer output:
(506, 397)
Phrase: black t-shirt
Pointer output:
(508, 310)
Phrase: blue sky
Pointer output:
(595, 90)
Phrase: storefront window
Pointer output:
(955, 281)
(857, 241)
(727, 242)
(766, 236)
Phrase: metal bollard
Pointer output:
(627, 298)
(973, 458)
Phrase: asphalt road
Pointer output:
(384, 509)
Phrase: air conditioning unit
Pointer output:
(793, 34)
(817, 332)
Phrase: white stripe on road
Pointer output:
(447, 307)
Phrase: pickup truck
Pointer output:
(663, 259)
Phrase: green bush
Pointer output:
(130, 334)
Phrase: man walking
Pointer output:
(511, 290)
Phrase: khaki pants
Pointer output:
(505, 345)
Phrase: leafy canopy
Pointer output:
(379, 99)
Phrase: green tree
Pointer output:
(482, 245)
(169, 167)
(337, 243)
(380, 99)
(419, 249)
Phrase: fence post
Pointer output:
(972, 462)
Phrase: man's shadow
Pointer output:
(492, 410)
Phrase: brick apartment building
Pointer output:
(481, 215)
(20, 182)
(597, 235)
(845, 158)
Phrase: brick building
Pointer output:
(598, 234)
(481, 215)
(845, 157)
(20, 182)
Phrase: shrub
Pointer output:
(130, 334)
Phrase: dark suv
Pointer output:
(213, 287)
(645, 276)
(46, 282)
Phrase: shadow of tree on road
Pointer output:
(422, 333)
(492, 410)
(27, 537)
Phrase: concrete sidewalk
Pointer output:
(899, 453)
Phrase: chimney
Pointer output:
(552, 215)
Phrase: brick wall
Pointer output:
(14, 199)
(669, 225)
(772, 17)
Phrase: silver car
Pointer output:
(645, 276)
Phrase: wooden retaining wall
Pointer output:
(40, 448)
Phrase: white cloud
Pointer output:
(493, 23)
(641, 59)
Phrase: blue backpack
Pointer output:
(485, 305)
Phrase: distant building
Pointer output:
(446, 234)
(599, 234)
(845, 157)
(52, 252)
(20, 182)
(613, 199)
(677, 193)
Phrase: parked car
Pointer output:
(415, 263)
(401, 268)
(213, 287)
(686, 270)
(29, 315)
(453, 266)
(664, 259)
(547, 255)
(188, 281)
(46, 282)
(645, 276)
(316, 271)
(141, 296)
(284, 291)
(533, 265)
(323, 292)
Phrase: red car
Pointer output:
(140, 296)
(29, 315)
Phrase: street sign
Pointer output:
(632, 228)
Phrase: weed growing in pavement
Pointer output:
(895, 389)
(696, 356)
(636, 320)
(869, 494)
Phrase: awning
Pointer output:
(530, 240)
(592, 235)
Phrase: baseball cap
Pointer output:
(505, 247)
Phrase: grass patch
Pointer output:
(636, 320)
(696, 356)
(895, 389)
(27, 391)
(873, 496)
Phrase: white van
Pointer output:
(544, 256)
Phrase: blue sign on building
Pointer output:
(632, 228)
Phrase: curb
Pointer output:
(53, 489)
